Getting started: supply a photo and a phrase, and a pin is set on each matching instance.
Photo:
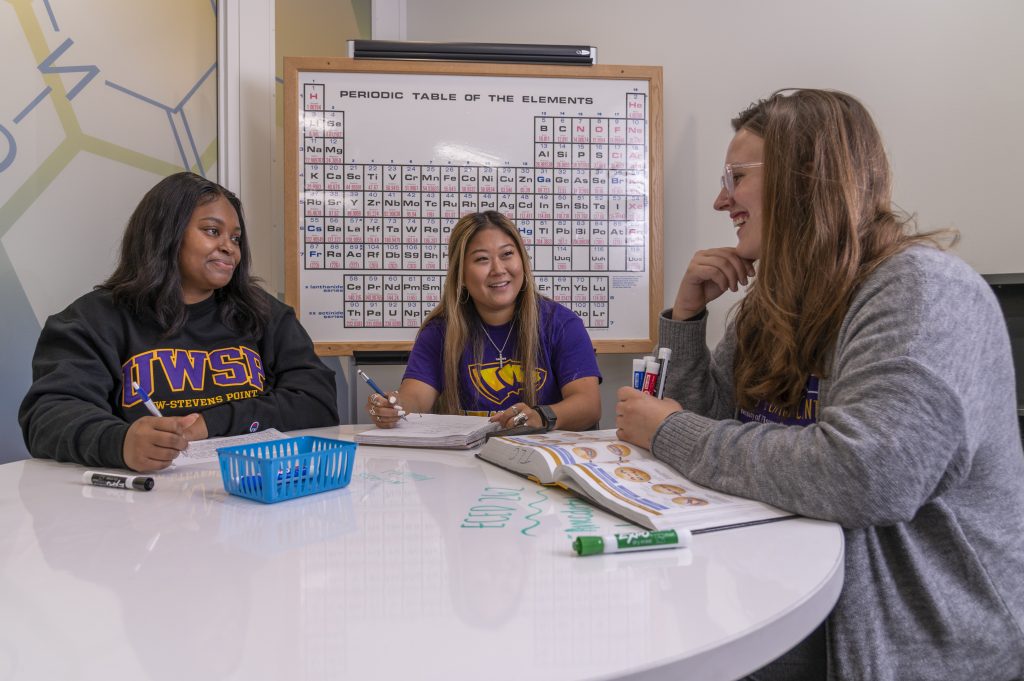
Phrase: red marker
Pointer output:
(651, 376)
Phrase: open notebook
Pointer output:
(444, 431)
(205, 451)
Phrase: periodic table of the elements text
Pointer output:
(389, 163)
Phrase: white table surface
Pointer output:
(431, 564)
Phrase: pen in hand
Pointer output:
(392, 400)
(146, 400)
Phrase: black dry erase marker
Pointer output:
(140, 482)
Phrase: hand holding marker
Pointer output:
(392, 400)
(649, 373)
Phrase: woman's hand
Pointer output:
(198, 430)
(518, 415)
(710, 274)
(385, 411)
(638, 415)
(153, 442)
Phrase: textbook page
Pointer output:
(204, 451)
(623, 479)
(537, 456)
(655, 496)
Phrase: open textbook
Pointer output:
(623, 479)
(431, 430)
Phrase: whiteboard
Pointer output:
(383, 158)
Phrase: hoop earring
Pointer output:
(463, 289)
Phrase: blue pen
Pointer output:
(376, 388)
(146, 401)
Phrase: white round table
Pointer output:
(431, 564)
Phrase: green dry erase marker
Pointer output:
(632, 541)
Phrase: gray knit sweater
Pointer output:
(916, 453)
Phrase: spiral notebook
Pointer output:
(443, 431)
(205, 451)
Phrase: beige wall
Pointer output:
(319, 28)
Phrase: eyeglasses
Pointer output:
(728, 183)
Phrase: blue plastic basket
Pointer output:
(286, 469)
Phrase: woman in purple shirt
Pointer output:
(490, 331)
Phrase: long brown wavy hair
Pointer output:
(463, 326)
(828, 224)
(147, 280)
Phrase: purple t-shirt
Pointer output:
(806, 413)
(566, 354)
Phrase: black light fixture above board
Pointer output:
(485, 52)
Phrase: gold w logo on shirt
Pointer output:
(497, 383)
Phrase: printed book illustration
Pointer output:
(625, 480)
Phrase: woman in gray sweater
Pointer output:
(865, 379)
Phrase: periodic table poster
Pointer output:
(383, 158)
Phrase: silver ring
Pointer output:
(520, 419)
(514, 409)
(373, 411)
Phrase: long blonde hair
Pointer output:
(828, 224)
(463, 326)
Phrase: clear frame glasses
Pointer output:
(728, 181)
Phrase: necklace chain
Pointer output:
(501, 351)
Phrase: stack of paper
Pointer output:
(431, 430)
(204, 451)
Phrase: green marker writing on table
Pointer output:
(631, 541)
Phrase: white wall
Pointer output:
(943, 79)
